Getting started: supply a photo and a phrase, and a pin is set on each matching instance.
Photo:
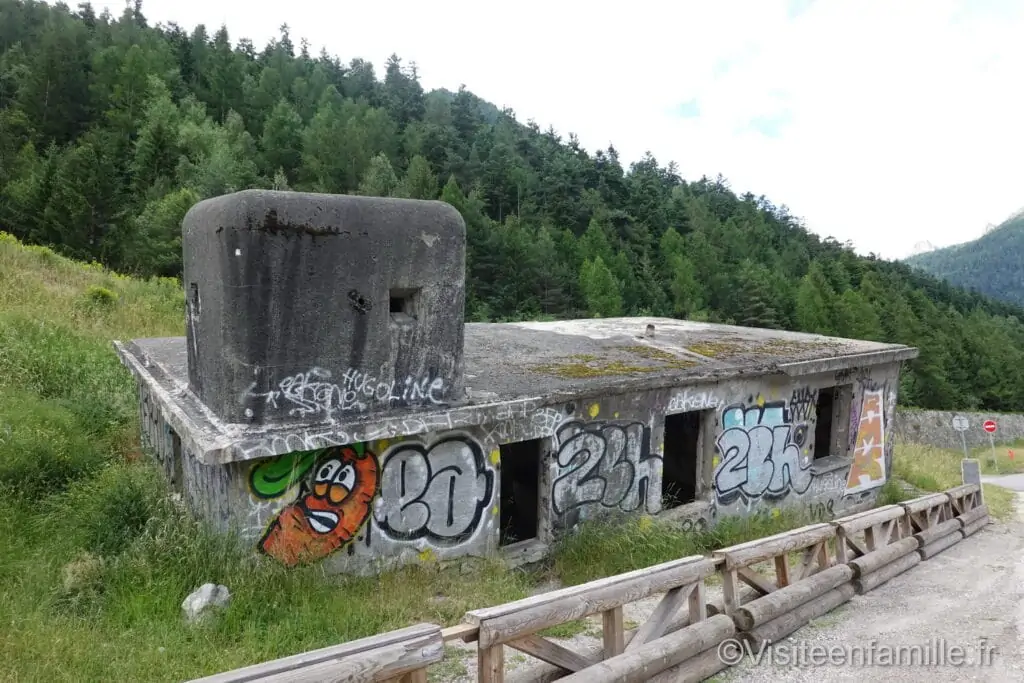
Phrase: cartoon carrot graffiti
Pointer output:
(331, 507)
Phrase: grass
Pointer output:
(937, 469)
(1003, 463)
(451, 668)
(97, 558)
(614, 546)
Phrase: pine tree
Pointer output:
(419, 181)
(600, 290)
(380, 179)
(281, 142)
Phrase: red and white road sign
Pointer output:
(989, 426)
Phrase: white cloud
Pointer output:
(895, 122)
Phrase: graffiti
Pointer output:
(386, 427)
(685, 401)
(851, 375)
(607, 463)
(547, 420)
(332, 505)
(413, 390)
(868, 469)
(694, 525)
(437, 493)
(150, 421)
(822, 510)
(313, 393)
(830, 483)
(854, 422)
(272, 478)
(759, 458)
(801, 402)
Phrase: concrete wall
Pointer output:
(935, 428)
(439, 496)
(280, 285)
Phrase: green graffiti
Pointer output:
(271, 478)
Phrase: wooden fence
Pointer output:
(400, 656)
(771, 587)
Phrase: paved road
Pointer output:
(1014, 482)
(970, 596)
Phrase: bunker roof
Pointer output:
(512, 369)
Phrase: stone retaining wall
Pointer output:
(935, 428)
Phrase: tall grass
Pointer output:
(937, 469)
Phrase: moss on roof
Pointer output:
(733, 348)
(589, 365)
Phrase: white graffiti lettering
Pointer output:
(438, 493)
(684, 402)
(606, 463)
(313, 393)
(832, 482)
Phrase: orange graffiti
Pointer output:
(330, 509)
(868, 469)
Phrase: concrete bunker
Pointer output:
(329, 403)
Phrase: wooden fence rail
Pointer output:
(790, 578)
(400, 656)
(516, 624)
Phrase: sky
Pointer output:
(885, 123)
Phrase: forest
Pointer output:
(990, 264)
(111, 128)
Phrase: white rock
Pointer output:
(201, 601)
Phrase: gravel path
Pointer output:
(968, 595)
(966, 602)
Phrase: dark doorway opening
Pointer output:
(520, 482)
(823, 428)
(679, 468)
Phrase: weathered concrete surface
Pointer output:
(290, 296)
(510, 369)
(424, 487)
(970, 592)
(935, 428)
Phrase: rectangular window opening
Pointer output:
(520, 483)
(680, 459)
(402, 304)
(823, 429)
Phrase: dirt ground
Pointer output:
(962, 611)
(967, 597)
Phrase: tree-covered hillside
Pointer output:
(993, 264)
(110, 129)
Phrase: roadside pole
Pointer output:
(990, 427)
(960, 424)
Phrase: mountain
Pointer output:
(922, 247)
(112, 128)
(991, 264)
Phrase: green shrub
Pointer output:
(892, 492)
(100, 296)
